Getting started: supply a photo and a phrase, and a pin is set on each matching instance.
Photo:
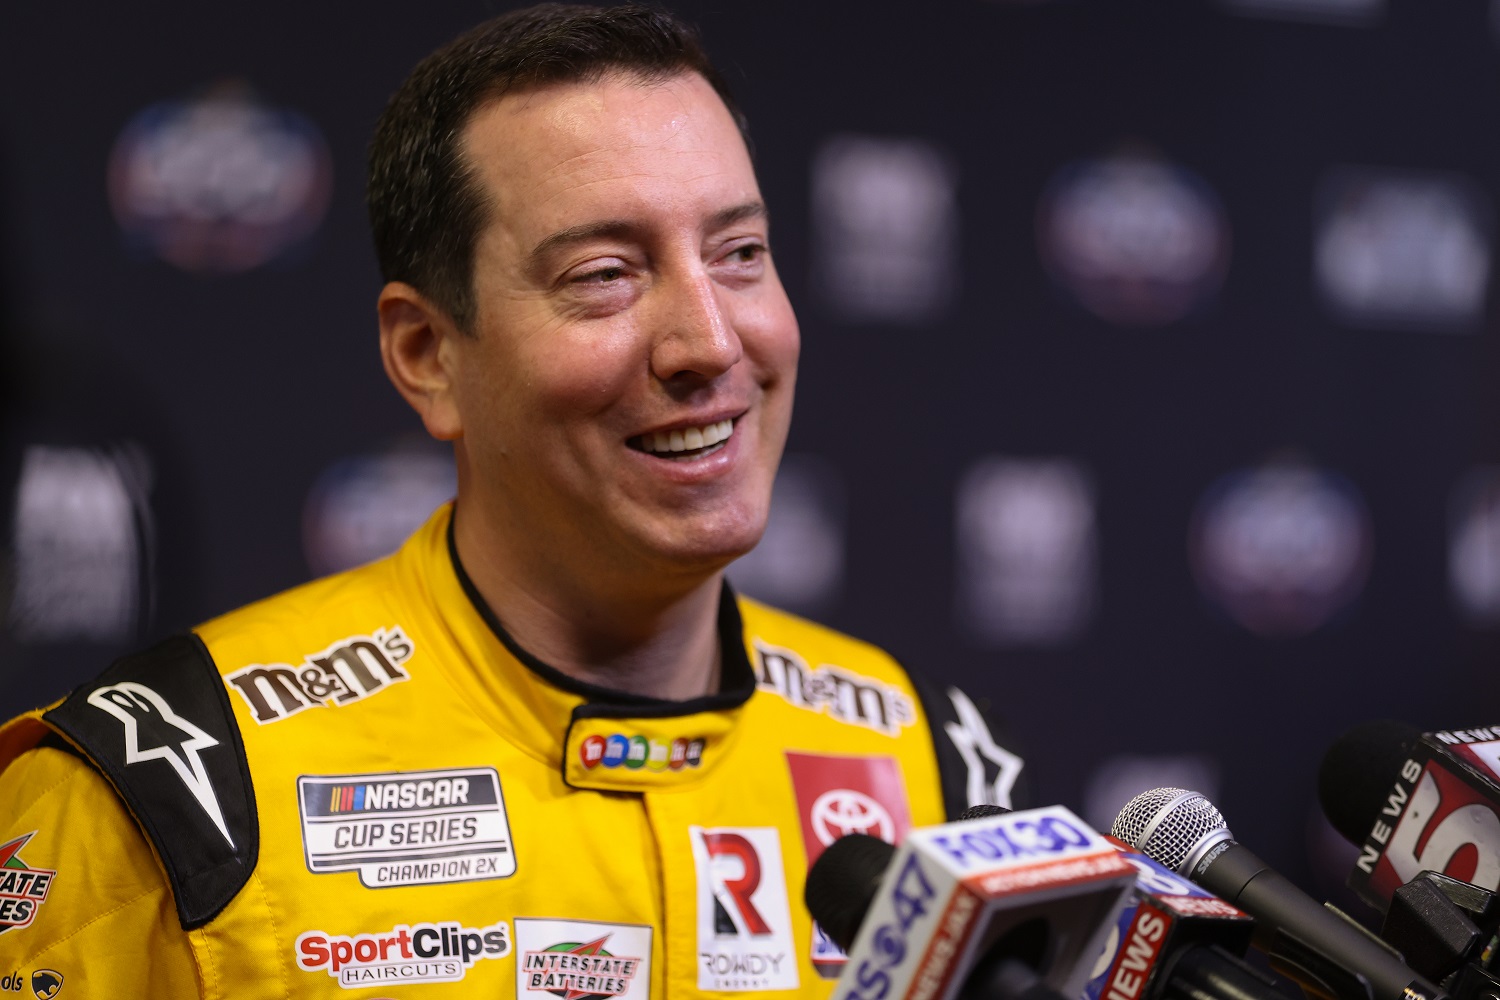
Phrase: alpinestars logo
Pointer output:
(349, 670)
(153, 731)
(981, 755)
(22, 889)
(846, 696)
(579, 970)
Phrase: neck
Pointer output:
(659, 641)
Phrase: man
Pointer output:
(541, 750)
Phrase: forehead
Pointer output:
(555, 156)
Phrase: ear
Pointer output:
(417, 341)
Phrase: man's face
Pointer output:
(625, 396)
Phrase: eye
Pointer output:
(748, 253)
(744, 261)
(603, 275)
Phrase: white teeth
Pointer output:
(691, 439)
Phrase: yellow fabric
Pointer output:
(608, 841)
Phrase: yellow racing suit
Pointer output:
(364, 788)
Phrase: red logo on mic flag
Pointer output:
(837, 796)
(1448, 827)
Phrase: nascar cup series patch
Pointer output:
(407, 827)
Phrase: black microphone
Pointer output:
(1176, 941)
(1323, 950)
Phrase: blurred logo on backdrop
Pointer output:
(1397, 249)
(219, 183)
(363, 507)
(1474, 546)
(1027, 551)
(1120, 778)
(1282, 547)
(885, 229)
(1134, 239)
(82, 545)
(799, 563)
(1346, 12)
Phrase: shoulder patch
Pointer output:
(160, 727)
(975, 768)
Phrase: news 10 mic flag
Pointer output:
(1442, 814)
(952, 891)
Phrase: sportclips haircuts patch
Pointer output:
(744, 923)
(407, 827)
(420, 953)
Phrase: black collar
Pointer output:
(736, 678)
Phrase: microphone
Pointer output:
(1415, 802)
(1014, 905)
(1175, 941)
(1323, 950)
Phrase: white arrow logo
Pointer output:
(167, 735)
(971, 737)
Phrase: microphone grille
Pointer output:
(1169, 825)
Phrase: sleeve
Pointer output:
(975, 762)
(83, 901)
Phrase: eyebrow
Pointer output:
(620, 228)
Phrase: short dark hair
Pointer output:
(426, 207)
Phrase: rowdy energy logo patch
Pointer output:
(582, 960)
(22, 889)
(407, 827)
(744, 922)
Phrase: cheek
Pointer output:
(576, 373)
(771, 337)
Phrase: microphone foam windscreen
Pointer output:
(842, 884)
(982, 811)
(1357, 772)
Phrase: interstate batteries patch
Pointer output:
(407, 827)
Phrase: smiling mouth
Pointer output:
(691, 442)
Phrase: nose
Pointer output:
(696, 340)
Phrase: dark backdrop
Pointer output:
(1149, 378)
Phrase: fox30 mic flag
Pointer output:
(1038, 886)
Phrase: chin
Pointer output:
(713, 546)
